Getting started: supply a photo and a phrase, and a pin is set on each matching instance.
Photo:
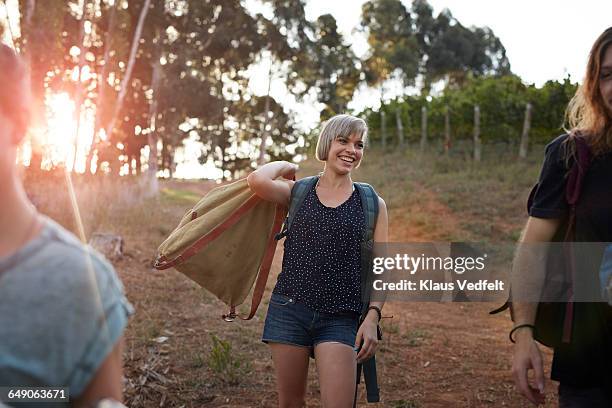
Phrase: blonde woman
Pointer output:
(316, 304)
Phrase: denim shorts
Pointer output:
(292, 322)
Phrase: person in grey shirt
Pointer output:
(62, 307)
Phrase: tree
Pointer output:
(393, 43)
(130, 66)
(328, 65)
(452, 52)
(41, 43)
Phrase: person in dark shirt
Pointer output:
(583, 366)
(315, 306)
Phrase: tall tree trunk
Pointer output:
(383, 127)
(38, 105)
(170, 159)
(423, 128)
(264, 132)
(26, 31)
(101, 86)
(447, 130)
(78, 99)
(525, 135)
(152, 138)
(477, 143)
(125, 83)
(9, 26)
(400, 127)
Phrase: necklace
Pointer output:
(17, 254)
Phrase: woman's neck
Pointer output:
(330, 179)
(18, 219)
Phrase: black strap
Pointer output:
(298, 195)
(369, 204)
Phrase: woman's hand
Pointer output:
(368, 335)
(289, 170)
(527, 357)
(265, 181)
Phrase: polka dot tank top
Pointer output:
(322, 260)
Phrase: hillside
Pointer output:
(433, 354)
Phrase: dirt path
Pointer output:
(432, 355)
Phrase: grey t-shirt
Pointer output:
(62, 309)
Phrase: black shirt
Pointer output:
(587, 360)
(322, 260)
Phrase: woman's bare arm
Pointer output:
(537, 231)
(107, 382)
(265, 181)
(529, 269)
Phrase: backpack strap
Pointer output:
(264, 268)
(573, 189)
(369, 204)
(298, 194)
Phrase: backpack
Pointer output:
(369, 204)
(554, 320)
(224, 243)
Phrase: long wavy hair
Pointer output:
(586, 113)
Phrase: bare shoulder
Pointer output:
(382, 222)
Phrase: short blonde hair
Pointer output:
(339, 126)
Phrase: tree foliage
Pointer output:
(190, 78)
(502, 101)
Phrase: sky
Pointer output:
(544, 39)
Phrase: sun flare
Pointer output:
(59, 138)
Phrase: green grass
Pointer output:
(415, 337)
(179, 196)
(225, 363)
(404, 404)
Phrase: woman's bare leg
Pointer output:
(337, 368)
(291, 367)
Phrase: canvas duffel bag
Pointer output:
(225, 243)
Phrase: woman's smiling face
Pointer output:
(605, 79)
(345, 154)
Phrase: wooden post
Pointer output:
(477, 145)
(383, 127)
(400, 127)
(525, 135)
(423, 128)
(447, 134)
